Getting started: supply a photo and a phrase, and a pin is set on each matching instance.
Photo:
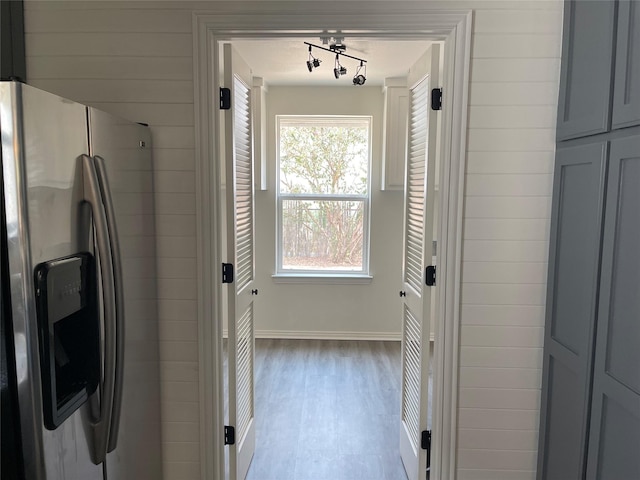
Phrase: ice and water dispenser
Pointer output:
(69, 334)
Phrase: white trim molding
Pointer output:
(451, 184)
(277, 19)
(326, 279)
(325, 335)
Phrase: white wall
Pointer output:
(513, 98)
(330, 311)
(135, 59)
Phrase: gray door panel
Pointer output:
(614, 444)
(626, 89)
(574, 253)
(585, 77)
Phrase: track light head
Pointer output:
(360, 78)
(339, 69)
(313, 61)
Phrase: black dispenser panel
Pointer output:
(69, 334)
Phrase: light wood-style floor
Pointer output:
(327, 410)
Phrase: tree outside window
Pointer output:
(323, 194)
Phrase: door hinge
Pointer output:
(227, 273)
(436, 99)
(225, 98)
(425, 443)
(430, 275)
(229, 435)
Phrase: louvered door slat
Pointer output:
(415, 185)
(411, 396)
(244, 198)
(244, 344)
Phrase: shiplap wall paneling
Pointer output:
(511, 142)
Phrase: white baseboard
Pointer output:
(326, 335)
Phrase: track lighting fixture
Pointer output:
(313, 61)
(339, 69)
(360, 78)
(338, 48)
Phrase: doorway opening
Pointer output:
(327, 194)
(453, 28)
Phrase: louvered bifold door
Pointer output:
(418, 232)
(240, 251)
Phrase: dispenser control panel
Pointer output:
(69, 334)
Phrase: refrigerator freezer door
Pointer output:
(125, 148)
(42, 138)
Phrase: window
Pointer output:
(323, 195)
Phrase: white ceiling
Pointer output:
(283, 61)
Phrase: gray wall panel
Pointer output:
(623, 352)
(614, 440)
(593, 292)
(564, 458)
(626, 92)
(585, 76)
(620, 443)
(574, 243)
(574, 257)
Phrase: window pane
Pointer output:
(324, 158)
(322, 235)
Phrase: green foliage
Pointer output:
(324, 159)
(330, 160)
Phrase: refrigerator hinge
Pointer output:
(229, 435)
(436, 99)
(430, 275)
(225, 98)
(227, 273)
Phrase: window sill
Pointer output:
(322, 279)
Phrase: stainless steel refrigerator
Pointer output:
(79, 354)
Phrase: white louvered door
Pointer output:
(240, 248)
(418, 232)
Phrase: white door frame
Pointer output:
(399, 19)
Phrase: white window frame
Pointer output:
(330, 276)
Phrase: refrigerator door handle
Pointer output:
(101, 426)
(119, 293)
